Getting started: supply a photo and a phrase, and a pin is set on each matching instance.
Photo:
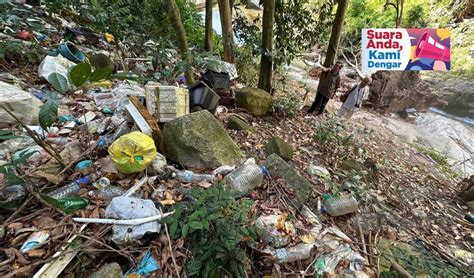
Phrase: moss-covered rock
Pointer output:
(280, 147)
(258, 102)
(199, 140)
(238, 123)
(278, 167)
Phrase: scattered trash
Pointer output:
(84, 164)
(159, 163)
(69, 189)
(326, 263)
(110, 192)
(147, 265)
(11, 196)
(133, 152)
(111, 270)
(172, 102)
(465, 256)
(202, 97)
(337, 206)
(57, 66)
(102, 182)
(299, 252)
(245, 178)
(34, 240)
(216, 80)
(278, 231)
(21, 103)
(71, 52)
(189, 176)
(223, 170)
(313, 170)
(132, 208)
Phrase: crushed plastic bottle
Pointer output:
(245, 178)
(110, 192)
(189, 176)
(71, 204)
(69, 189)
(60, 140)
(337, 206)
(299, 252)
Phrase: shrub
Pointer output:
(215, 226)
(287, 104)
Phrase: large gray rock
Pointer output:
(199, 140)
(280, 147)
(257, 101)
(111, 270)
(278, 167)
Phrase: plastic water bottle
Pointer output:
(245, 178)
(110, 192)
(69, 189)
(190, 176)
(337, 206)
(299, 252)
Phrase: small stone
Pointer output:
(111, 270)
(237, 123)
(281, 148)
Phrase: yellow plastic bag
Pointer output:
(132, 152)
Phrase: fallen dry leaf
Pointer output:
(205, 184)
(167, 202)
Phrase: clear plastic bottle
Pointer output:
(337, 206)
(190, 176)
(245, 178)
(110, 192)
(299, 252)
(69, 189)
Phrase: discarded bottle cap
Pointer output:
(103, 182)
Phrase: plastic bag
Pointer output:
(133, 152)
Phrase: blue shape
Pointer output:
(84, 164)
(265, 171)
(416, 68)
(426, 61)
(146, 266)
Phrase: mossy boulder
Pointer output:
(199, 140)
(280, 147)
(280, 168)
(237, 123)
(257, 101)
(111, 270)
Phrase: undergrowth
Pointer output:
(439, 158)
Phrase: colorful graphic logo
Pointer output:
(406, 49)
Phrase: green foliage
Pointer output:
(248, 32)
(80, 73)
(215, 226)
(440, 159)
(415, 17)
(287, 104)
(333, 133)
(298, 27)
(427, 263)
(101, 73)
(58, 81)
(49, 112)
(8, 134)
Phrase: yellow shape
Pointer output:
(412, 54)
(132, 152)
(109, 38)
(167, 202)
(443, 33)
(308, 239)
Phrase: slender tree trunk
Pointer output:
(266, 63)
(336, 33)
(175, 18)
(400, 13)
(227, 34)
(209, 31)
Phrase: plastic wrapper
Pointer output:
(147, 265)
(55, 64)
(328, 262)
(130, 208)
(133, 152)
(22, 104)
(34, 240)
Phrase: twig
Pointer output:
(48, 148)
(132, 222)
(362, 238)
(171, 248)
(130, 258)
(399, 269)
(352, 65)
(18, 210)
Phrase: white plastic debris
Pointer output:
(22, 104)
(55, 64)
(131, 208)
(317, 170)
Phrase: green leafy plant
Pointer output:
(101, 73)
(332, 132)
(58, 81)
(8, 134)
(80, 73)
(49, 111)
(287, 104)
(216, 227)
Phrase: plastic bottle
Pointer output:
(337, 206)
(60, 140)
(110, 192)
(245, 178)
(299, 252)
(71, 204)
(190, 176)
(69, 189)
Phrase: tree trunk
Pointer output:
(209, 31)
(227, 34)
(266, 64)
(336, 33)
(175, 18)
(400, 13)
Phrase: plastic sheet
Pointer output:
(133, 152)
